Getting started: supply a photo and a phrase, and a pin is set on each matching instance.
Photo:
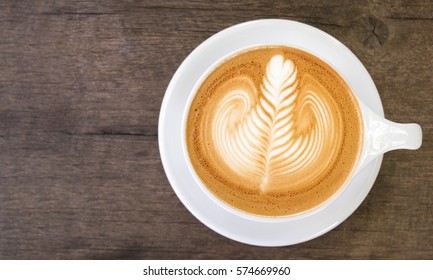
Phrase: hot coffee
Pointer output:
(274, 131)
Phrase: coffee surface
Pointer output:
(274, 131)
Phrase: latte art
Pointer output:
(273, 131)
(257, 135)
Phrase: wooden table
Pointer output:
(81, 85)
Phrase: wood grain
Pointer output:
(81, 83)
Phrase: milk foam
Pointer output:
(257, 135)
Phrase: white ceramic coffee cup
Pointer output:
(253, 229)
(379, 136)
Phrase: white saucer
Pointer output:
(268, 32)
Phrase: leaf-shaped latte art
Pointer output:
(277, 130)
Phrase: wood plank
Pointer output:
(81, 83)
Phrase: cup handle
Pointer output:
(382, 135)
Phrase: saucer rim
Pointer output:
(167, 161)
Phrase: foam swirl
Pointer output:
(284, 128)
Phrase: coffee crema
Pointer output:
(274, 131)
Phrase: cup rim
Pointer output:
(233, 209)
